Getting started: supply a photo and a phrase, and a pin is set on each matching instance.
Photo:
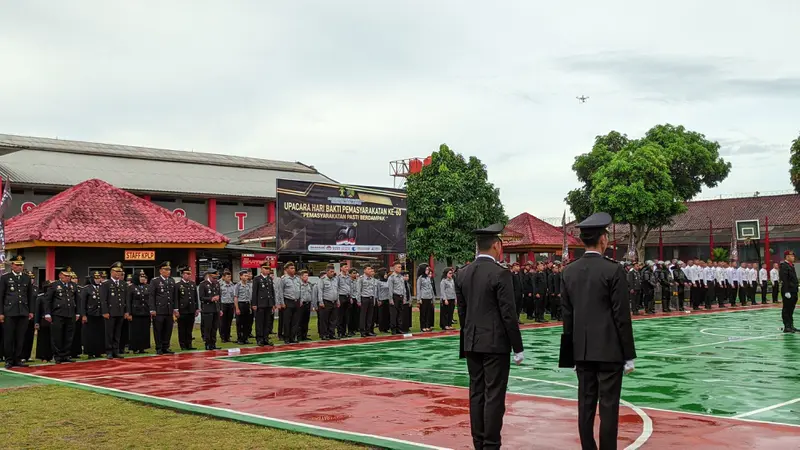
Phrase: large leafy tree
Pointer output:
(794, 160)
(447, 200)
(645, 182)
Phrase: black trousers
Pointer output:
(185, 328)
(384, 315)
(763, 292)
(788, 310)
(343, 316)
(666, 299)
(210, 324)
(528, 305)
(326, 319)
(305, 319)
(367, 322)
(446, 313)
(292, 316)
(264, 320)
(775, 291)
(14, 330)
(603, 382)
(113, 334)
(280, 324)
(518, 303)
(488, 381)
(555, 307)
(733, 291)
(648, 298)
(407, 314)
(426, 311)
(701, 296)
(162, 332)
(711, 294)
(681, 297)
(743, 293)
(722, 294)
(354, 324)
(62, 329)
(752, 293)
(244, 322)
(228, 311)
(635, 299)
(396, 313)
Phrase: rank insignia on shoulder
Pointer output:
(610, 259)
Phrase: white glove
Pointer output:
(628, 367)
(788, 295)
(519, 357)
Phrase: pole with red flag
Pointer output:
(766, 242)
(711, 239)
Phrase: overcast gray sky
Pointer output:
(349, 85)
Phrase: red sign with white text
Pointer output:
(254, 260)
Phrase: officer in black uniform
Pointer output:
(114, 306)
(788, 277)
(489, 331)
(16, 310)
(598, 336)
(61, 310)
(263, 304)
(163, 308)
(94, 332)
(188, 310)
(210, 308)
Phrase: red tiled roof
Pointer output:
(536, 232)
(261, 232)
(97, 212)
(723, 213)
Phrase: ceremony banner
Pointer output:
(315, 217)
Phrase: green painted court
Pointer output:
(731, 365)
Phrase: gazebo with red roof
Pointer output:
(94, 224)
(526, 235)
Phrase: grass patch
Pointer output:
(59, 417)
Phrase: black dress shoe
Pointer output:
(69, 360)
(789, 330)
(168, 352)
(371, 334)
(110, 356)
(269, 344)
(118, 356)
(159, 352)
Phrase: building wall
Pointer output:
(227, 220)
(82, 260)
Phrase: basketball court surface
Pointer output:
(707, 380)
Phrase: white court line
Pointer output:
(675, 355)
(231, 411)
(768, 408)
(720, 342)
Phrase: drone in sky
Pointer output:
(582, 99)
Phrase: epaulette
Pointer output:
(610, 259)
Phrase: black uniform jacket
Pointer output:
(89, 303)
(61, 300)
(113, 298)
(208, 290)
(263, 292)
(486, 308)
(788, 278)
(186, 297)
(596, 310)
(161, 296)
(18, 298)
(139, 299)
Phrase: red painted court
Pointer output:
(382, 411)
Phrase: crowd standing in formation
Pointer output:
(111, 316)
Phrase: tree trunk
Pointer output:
(640, 234)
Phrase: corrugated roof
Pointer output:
(11, 141)
(96, 212)
(51, 168)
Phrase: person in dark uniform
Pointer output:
(185, 306)
(114, 306)
(598, 336)
(44, 343)
(516, 278)
(407, 304)
(554, 291)
(61, 309)
(634, 277)
(788, 277)
(16, 310)
(287, 297)
(77, 335)
(93, 323)
(124, 337)
(27, 348)
(209, 293)
(139, 308)
(527, 291)
(263, 304)
(489, 332)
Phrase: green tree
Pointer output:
(794, 161)
(720, 254)
(645, 182)
(447, 200)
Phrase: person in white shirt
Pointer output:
(730, 293)
(752, 273)
(735, 283)
(763, 279)
(689, 270)
(722, 285)
(775, 277)
(743, 283)
(708, 276)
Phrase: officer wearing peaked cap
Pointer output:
(489, 332)
(114, 306)
(16, 311)
(598, 337)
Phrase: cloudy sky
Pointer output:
(349, 85)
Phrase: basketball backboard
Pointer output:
(747, 229)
